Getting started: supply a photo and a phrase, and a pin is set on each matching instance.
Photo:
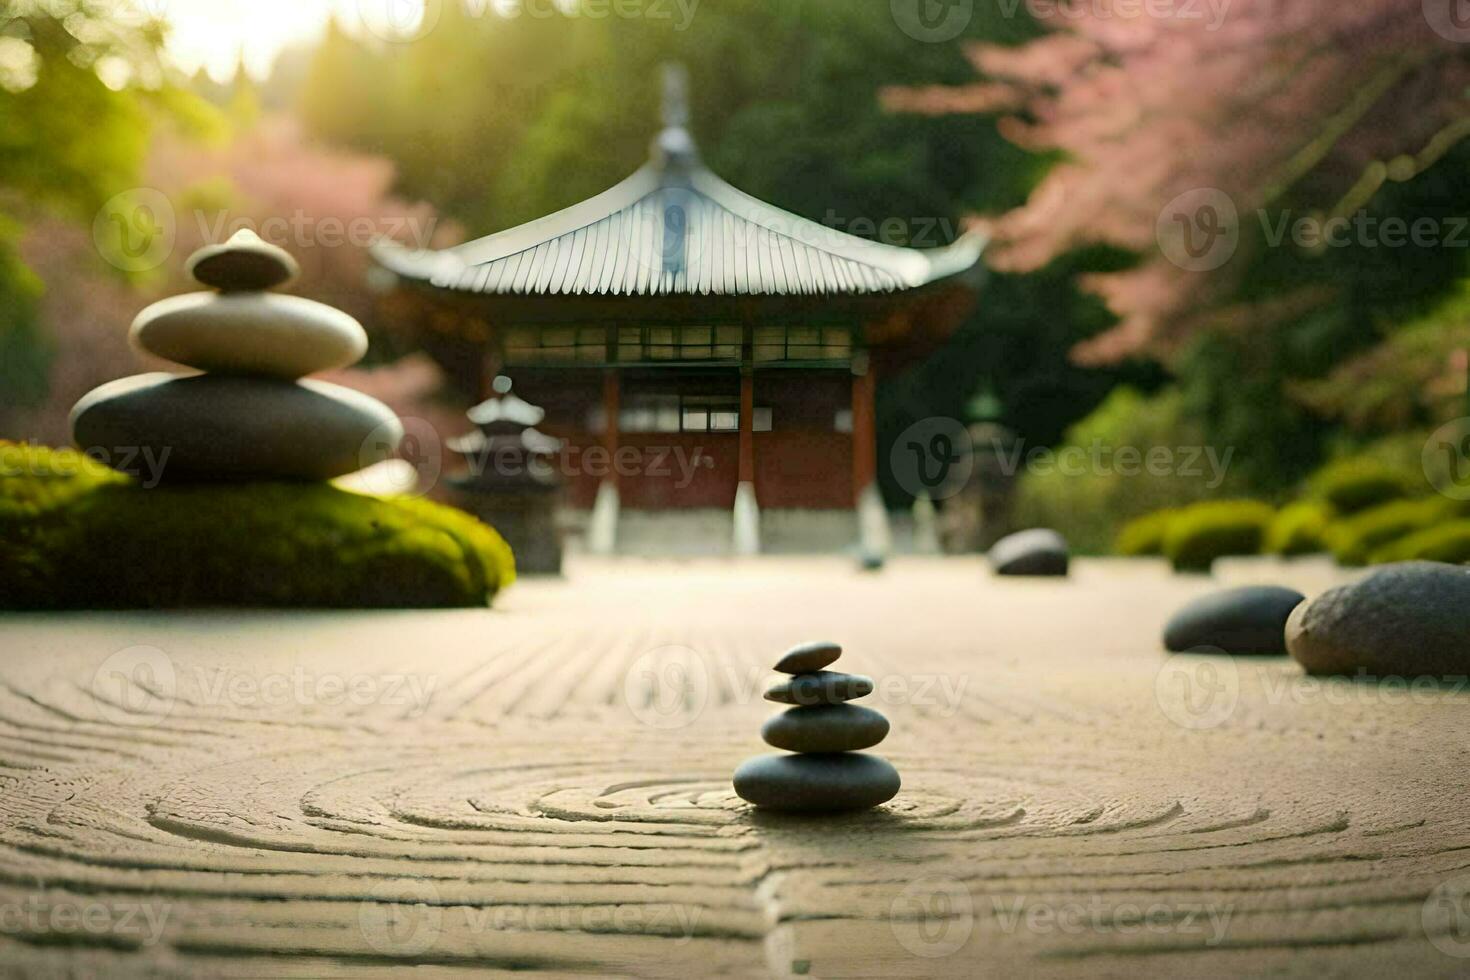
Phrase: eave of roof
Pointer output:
(675, 228)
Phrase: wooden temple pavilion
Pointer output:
(692, 346)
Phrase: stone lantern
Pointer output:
(511, 481)
(980, 513)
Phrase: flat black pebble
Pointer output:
(822, 687)
(807, 657)
(825, 728)
(817, 783)
(1247, 620)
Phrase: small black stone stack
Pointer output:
(827, 773)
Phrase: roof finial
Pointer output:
(676, 95)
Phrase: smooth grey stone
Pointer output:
(824, 782)
(250, 333)
(219, 427)
(246, 261)
(1408, 619)
(1039, 551)
(807, 657)
(825, 728)
(1247, 620)
(821, 687)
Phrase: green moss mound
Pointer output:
(1145, 535)
(75, 535)
(1358, 483)
(1202, 532)
(1299, 529)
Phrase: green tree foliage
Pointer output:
(79, 88)
(497, 121)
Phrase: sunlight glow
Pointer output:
(216, 35)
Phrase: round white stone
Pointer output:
(250, 333)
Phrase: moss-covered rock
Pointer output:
(1202, 532)
(74, 534)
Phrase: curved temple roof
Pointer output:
(671, 228)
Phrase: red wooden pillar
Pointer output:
(747, 426)
(864, 427)
(611, 405)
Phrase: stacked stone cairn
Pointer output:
(252, 414)
(827, 772)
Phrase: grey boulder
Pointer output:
(807, 657)
(1408, 619)
(249, 333)
(1247, 620)
(244, 262)
(817, 783)
(219, 427)
(821, 687)
(1039, 551)
(825, 728)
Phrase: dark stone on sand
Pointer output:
(817, 783)
(822, 687)
(1039, 551)
(805, 658)
(1247, 620)
(1408, 619)
(825, 728)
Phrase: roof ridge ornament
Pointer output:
(673, 148)
(676, 95)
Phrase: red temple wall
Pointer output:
(804, 462)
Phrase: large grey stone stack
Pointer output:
(252, 414)
(827, 771)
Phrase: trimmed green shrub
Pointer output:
(1357, 483)
(76, 535)
(1299, 529)
(1353, 539)
(1443, 542)
(1089, 504)
(1202, 532)
(1145, 535)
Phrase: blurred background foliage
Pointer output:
(1287, 357)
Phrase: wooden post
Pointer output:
(611, 406)
(864, 426)
(747, 425)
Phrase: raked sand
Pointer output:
(546, 787)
